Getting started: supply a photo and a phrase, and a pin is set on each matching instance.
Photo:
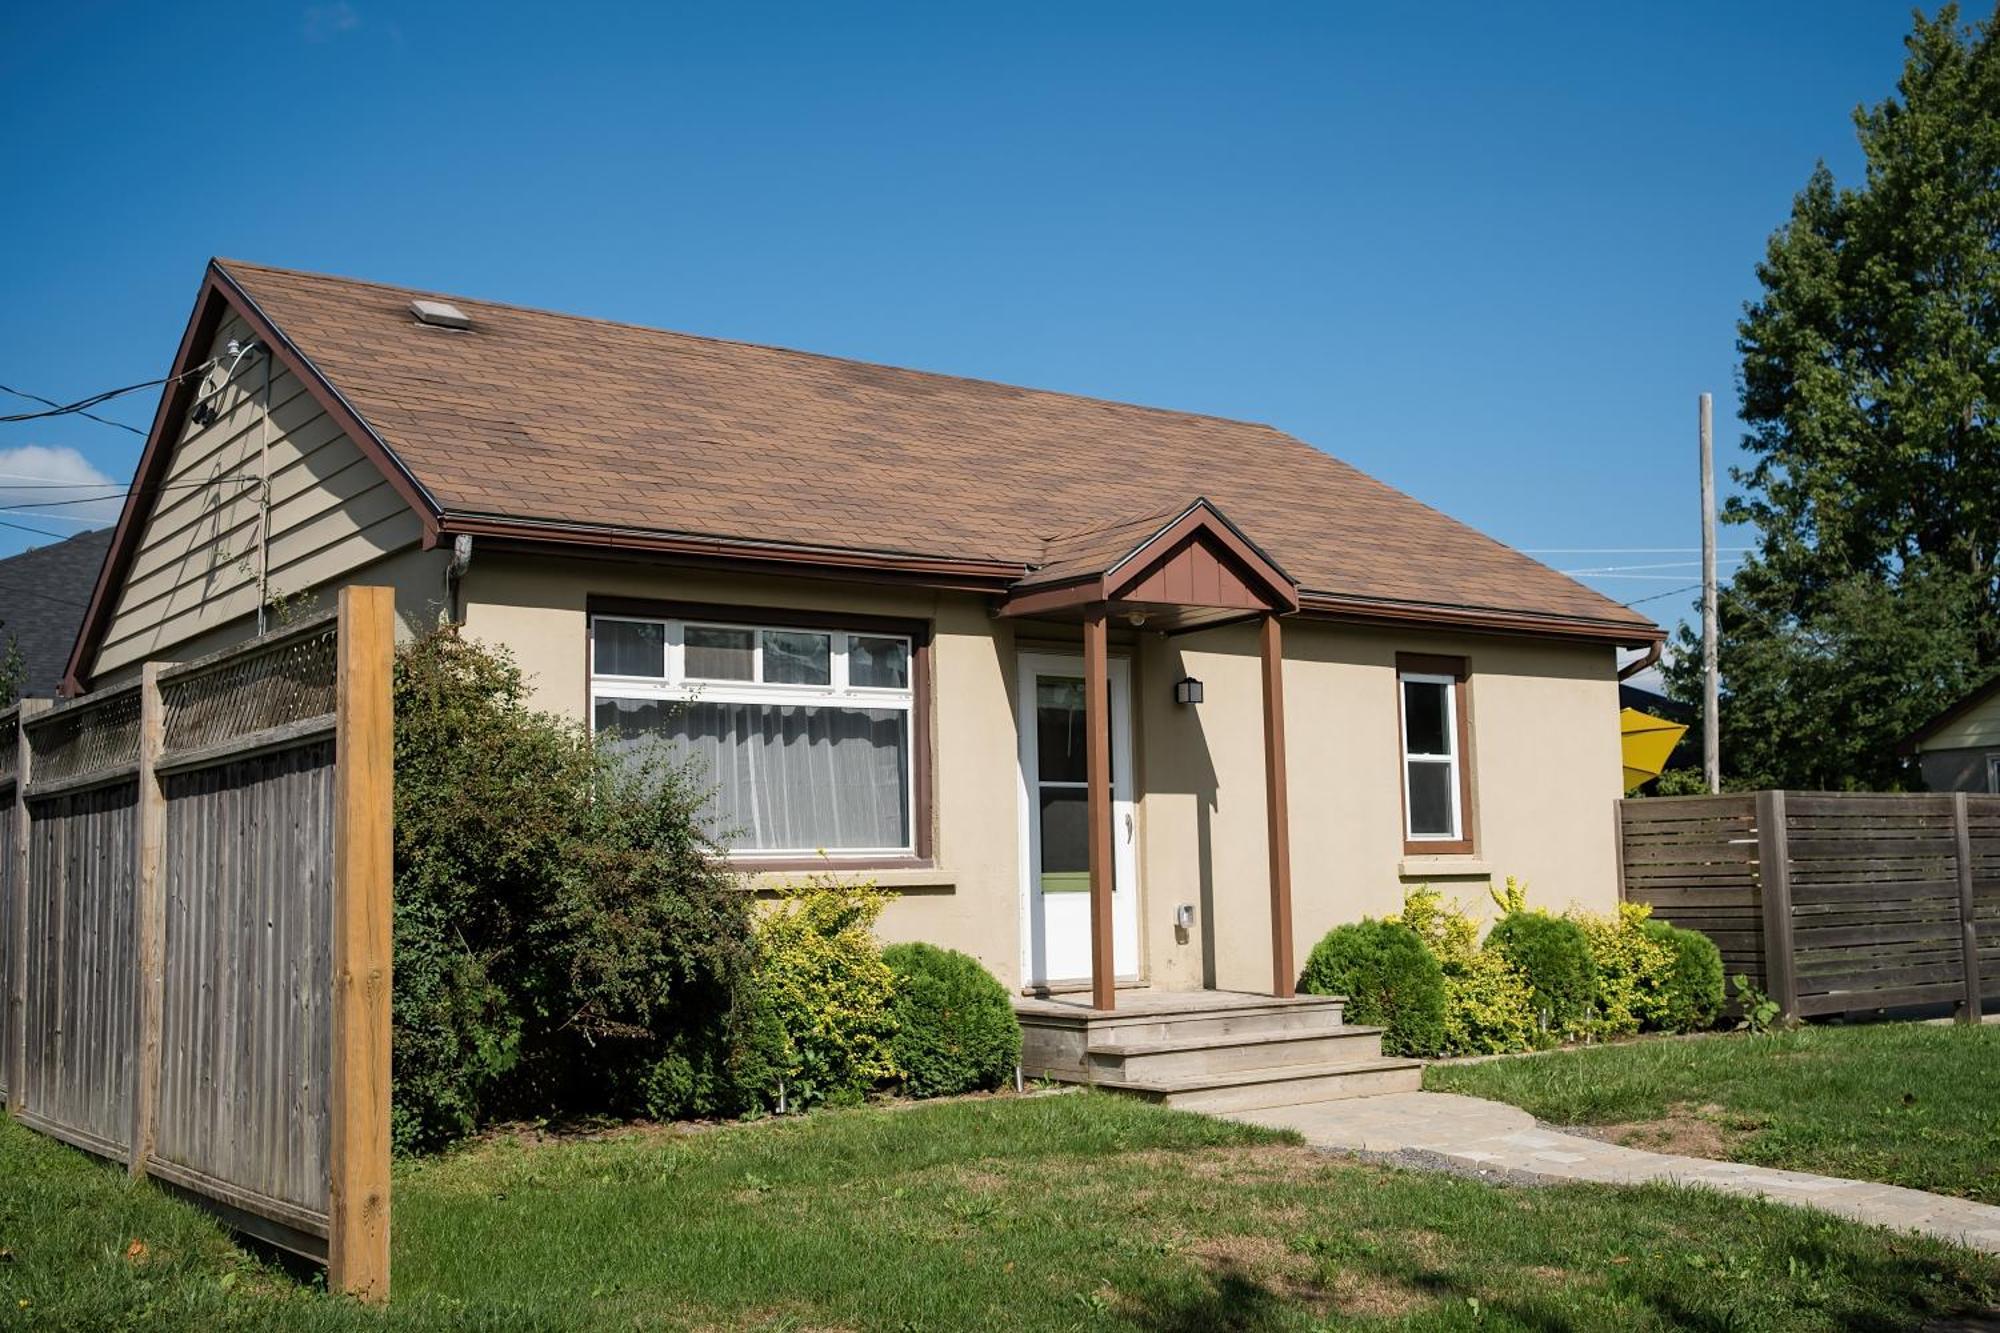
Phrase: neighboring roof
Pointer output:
(1653, 702)
(546, 427)
(43, 593)
(1978, 698)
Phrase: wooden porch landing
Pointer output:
(1209, 1050)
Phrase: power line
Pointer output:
(39, 532)
(12, 590)
(82, 406)
(37, 398)
(1671, 592)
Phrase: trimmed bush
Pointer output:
(955, 1027)
(1692, 990)
(1487, 1010)
(567, 941)
(821, 972)
(1553, 955)
(1390, 981)
(1631, 967)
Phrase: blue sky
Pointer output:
(1487, 253)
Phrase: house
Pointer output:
(43, 592)
(1959, 749)
(1101, 691)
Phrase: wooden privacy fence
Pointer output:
(196, 914)
(1831, 902)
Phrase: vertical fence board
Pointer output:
(358, 1215)
(80, 1012)
(247, 907)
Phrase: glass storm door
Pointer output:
(1056, 822)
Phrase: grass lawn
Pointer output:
(1050, 1212)
(1903, 1103)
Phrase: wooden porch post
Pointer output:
(1097, 770)
(1276, 797)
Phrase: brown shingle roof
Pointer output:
(533, 415)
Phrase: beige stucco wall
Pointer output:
(1544, 751)
(1545, 771)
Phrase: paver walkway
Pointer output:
(1472, 1135)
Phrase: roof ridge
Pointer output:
(546, 312)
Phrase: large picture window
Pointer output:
(1436, 793)
(806, 733)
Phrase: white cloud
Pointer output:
(56, 489)
(325, 22)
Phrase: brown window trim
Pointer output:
(1459, 669)
(919, 634)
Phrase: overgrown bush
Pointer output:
(955, 1026)
(1486, 1004)
(829, 990)
(566, 941)
(1390, 981)
(1553, 955)
(1692, 991)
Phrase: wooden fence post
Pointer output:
(1970, 1009)
(1618, 842)
(17, 998)
(149, 919)
(363, 857)
(1774, 888)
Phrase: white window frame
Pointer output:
(677, 686)
(1450, 759)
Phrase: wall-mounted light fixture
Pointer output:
(1187, 690)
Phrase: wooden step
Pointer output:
(1183, 1056)
(1249, 1090)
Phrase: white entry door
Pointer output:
(1055, 825)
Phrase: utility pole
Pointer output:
(1711, 691)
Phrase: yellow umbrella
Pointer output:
(1648, 742)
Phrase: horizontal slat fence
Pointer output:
(185, 857)
(1831, 902)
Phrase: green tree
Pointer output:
(1870, 375)
(13, 673)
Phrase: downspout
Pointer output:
(1635, 666)
(454, 576)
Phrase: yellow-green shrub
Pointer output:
(1634, 970)
(821, 973)
(1487, 1009)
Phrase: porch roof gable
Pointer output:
(1186, 567)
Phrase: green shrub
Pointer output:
(1390, 981)
(566, 940)
(955, 1026)
(1553, 955)
(1486, 1006)
(829, 991)
(1692, 991)
(1631, 967)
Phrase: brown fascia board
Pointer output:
(1478, 619)
(218, 294)
(946, 572)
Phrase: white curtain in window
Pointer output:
(789, 777)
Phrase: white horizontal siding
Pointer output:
(195, 570)
(1977, 729)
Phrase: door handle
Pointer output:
(1128, 826)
